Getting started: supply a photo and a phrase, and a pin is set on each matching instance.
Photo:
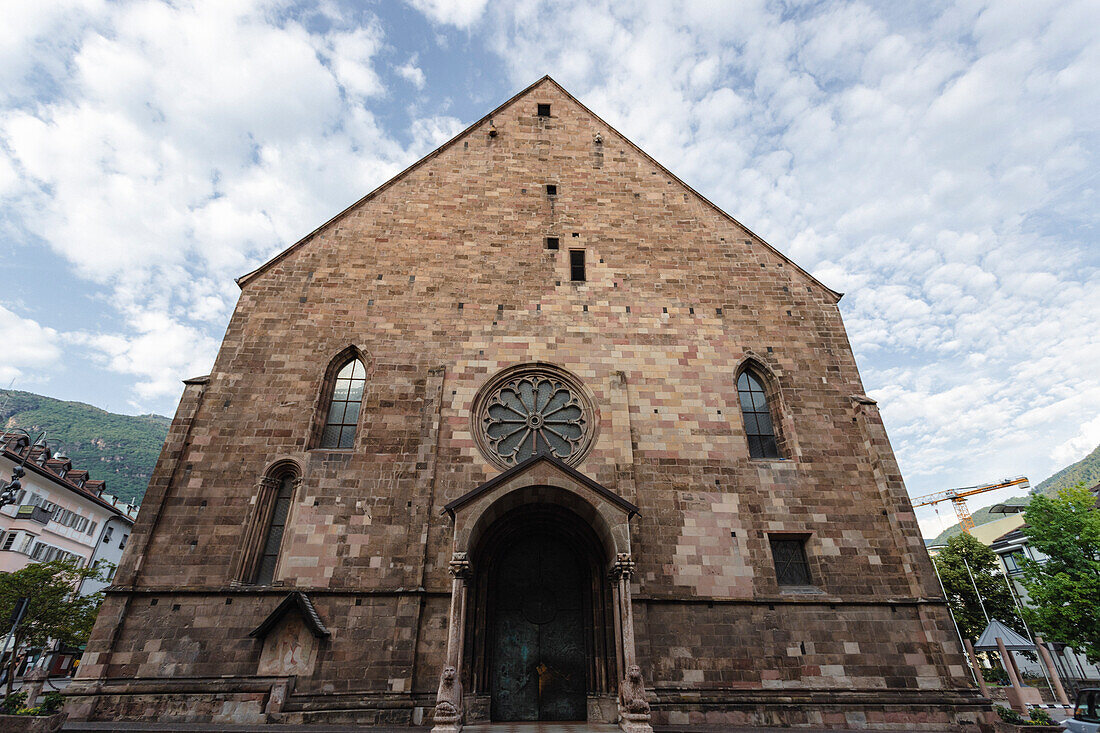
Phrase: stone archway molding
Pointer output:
(544, 479)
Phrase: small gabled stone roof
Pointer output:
(296, 601)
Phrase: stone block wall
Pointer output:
(439, 280)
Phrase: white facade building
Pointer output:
(61, 512)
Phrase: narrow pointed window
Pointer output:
(759, 429)
(269, 555)
(343, 410)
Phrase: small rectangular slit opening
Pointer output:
(576, 265)
(551, 243)
(544, 110)
(551, 189)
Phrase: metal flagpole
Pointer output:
(976, 591)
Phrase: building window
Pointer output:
(1012, 561)
(576, 265)
(759, 428)
(789, 554)
(122, 542)
(544, 110)
(275, 528)
(343, 410)
(91, 528)
(107, 535)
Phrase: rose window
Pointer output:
(532, 412)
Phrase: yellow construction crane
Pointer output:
(957, 497)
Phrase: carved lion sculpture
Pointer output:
(447, 698)
(632, 695)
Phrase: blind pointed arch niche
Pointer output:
(534, 409)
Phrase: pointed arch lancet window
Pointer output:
(759, 429)
(343, 410)
(269, 557)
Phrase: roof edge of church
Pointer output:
(244, 279)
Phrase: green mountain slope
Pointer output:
(121, 449)
(1086, 471)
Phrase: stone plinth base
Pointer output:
(1020, 697)
(635, 723)
(908, 710)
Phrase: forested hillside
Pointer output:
(121, 449)
(1086, 471)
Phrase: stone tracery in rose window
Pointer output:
(532, 412)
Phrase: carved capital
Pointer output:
(623, 567)
(267, 483)
(459, 566)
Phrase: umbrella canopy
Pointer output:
(1013, 642)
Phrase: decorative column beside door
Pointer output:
(448, 700)
(633, 707)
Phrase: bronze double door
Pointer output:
(538, 632)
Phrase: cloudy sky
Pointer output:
(937, 162)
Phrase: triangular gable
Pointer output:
(299, 602)
(1013, 642)
(557, 463)
(244, 279)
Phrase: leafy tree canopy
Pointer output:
(1065, 589)
(951, 562)
(55, 611)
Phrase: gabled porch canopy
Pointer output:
(543, 479)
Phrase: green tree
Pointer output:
(951, 562)
(1065, 589)
(55, 611)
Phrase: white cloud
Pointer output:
(157, 350)
(459, 13)
(936, 165)
(922, 164)
(29, 349)
(412, 73)
(1079, 445)
(178, 146)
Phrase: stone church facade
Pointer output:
(531, 416)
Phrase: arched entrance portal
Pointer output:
(542, 637)
(539, 542)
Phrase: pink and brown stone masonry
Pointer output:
(440, 279)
